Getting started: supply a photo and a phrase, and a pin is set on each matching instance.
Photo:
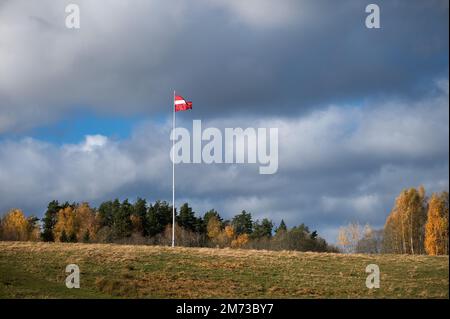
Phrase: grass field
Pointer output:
(37, 270)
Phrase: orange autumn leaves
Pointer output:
(436, 228)
(417, 225)
(226, 236)
(15, 226)
(75, 223)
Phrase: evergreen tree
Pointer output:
(140, 211)
(242, 223)
(49, 220)
(122, 226)
(159, 216)
(262, 229)
(281, 228)
(187, 218)
(105, 214)
(297, 237)
(200, 225)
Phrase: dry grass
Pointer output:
(36, 270)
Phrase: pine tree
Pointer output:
(140, 217)
(262, 229)
(159, 216)
(105, 214)
(187, 218)
(49, 221)
(242, 223)
(281, 228)
(122, 225)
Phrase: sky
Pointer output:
(85, 114)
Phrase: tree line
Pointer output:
(151, 223)
(417, 224)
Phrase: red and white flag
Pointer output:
(181, 104)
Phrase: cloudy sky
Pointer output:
(85, 115)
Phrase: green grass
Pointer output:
(37, 270)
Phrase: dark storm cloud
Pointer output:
(259, 59)
(329, 59)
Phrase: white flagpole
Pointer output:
(173, 171)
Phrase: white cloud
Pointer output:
(265, 13)
(91, 143)
(377, 132)
(32, 172)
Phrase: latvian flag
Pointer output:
(181, 104)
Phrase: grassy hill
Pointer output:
(37, 270)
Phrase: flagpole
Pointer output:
(173, 170)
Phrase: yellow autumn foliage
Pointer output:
(436, 228)
(240, 241)
(213, 228)
(77, 222)
(15, 226)
(405, 227)
(229, 232)
(85, 221)
(65, 223)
